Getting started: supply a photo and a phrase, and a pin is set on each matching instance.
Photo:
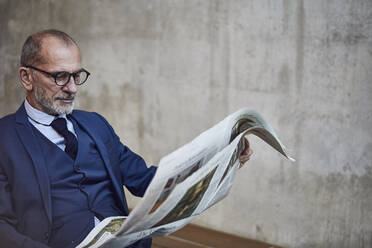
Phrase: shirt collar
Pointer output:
(40, 116)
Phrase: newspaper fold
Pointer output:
(187, 182)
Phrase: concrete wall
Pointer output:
(163, 71)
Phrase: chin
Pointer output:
(63, 109)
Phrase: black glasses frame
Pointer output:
(56, 74)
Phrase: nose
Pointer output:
(70, 87)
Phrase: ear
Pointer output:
(25, 77)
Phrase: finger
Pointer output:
(246, 143)
(242, 162)
(248, 154)
(246, 148)
(244, 158)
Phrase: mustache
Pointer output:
(65, 97)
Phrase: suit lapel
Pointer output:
(28, 139)
(88, 127)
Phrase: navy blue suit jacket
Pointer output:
(25, 199)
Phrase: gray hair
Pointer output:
(31, 50)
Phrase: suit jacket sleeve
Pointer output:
(135, 175)
(9, 236)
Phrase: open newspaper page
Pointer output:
(188, 181)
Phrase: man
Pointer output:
(61, 171)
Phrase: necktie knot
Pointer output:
(60, 125)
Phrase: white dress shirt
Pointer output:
(42, 122)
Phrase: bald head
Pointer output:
(32, 48)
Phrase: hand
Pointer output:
(246, 153)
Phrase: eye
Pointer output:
(62, 76)
(80, 77)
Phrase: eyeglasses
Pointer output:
(61, 78)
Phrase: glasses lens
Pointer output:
(62, 78)
(80, 77)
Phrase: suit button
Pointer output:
(46, 235)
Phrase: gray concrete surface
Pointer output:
(163, 71)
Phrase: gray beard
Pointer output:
(50, 106)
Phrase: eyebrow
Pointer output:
(55, 72)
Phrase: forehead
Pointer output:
(58, 55)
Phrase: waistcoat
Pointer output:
(80, 189)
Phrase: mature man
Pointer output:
(61, 171)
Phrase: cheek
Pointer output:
(49, 90)
(52, 92)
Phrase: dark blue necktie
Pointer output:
(60, 126)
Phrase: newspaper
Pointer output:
(187, 182)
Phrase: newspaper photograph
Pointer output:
(187, 182)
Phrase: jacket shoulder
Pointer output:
(7, 131)
(7, 122)
(93, 120)
(87, 116)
